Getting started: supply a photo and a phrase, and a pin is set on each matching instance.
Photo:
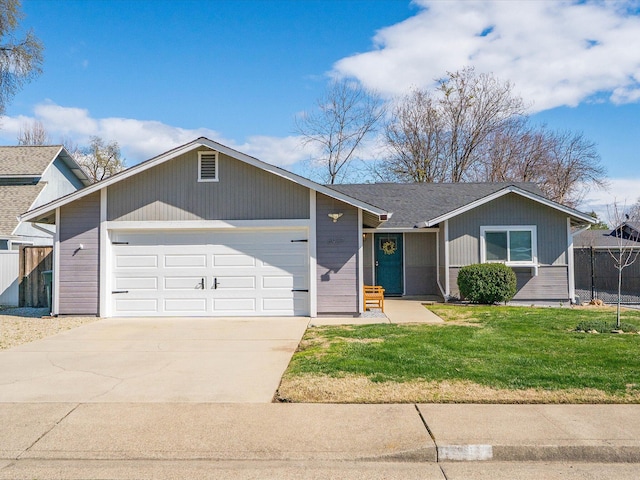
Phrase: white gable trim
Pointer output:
(504, 191)
(176, 152)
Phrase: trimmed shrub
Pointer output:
(487, 283)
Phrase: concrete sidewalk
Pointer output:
(317, 432)
(396, 310)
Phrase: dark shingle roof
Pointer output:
(28, 160)
(606, 238)
(15, 199)
(415, 203)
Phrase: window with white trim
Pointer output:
(512, 245)
(208, 166)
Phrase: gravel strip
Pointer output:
(24, 325)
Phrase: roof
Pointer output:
(15, 199)
(27, 160)
(606, 238)
(416, 205)
(33, 160)
(44, 211)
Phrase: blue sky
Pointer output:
(153, 74)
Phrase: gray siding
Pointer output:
(337, 257)
(510, 209)
(550, 284)
(420, 264)
(442, 268)
(171, 192)
(79, 272)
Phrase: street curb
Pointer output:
(534, 453)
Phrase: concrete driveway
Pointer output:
(154, 360)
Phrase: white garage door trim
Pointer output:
(204, 272)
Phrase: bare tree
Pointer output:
(634, 212)
(33, 133)
(439, 136)
(472, 127)
(413, 137)
(623, 254)
(20, 59)
(474, 107)
(345, 116)
(573, 166)
(100, 159)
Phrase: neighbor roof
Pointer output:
(608, 238)
(416, 205)
(26, 160)
(15, 199)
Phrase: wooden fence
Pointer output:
(34, 261)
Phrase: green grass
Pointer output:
(498, 347)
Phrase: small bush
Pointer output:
(487, 283)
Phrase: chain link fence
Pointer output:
(596, 276)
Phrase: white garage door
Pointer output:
(229, 273)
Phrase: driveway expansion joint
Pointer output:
(48, 430)
(433, 438)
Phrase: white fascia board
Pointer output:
(504, 191)
(401, 230)
(187, 148)
(206, 224)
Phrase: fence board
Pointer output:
(34, 261)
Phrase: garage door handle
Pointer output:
(299, 290)
(120, 291)
(202, 284)
(215, 283)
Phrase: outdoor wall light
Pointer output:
(334, 216)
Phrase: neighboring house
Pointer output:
(31, 176)
(206, 230)
(596, 275)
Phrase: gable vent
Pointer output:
(207, 166)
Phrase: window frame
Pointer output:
(200, 154)
(532, 229)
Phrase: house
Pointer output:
(596, 274)
(205, 230)
(31, 176)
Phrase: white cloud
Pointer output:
(623, 191)
(555, 53)
(143, 139)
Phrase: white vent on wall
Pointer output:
(207, 166)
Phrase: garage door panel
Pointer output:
(283, 260)
(235, 283)
(191, 305)
(136, 283)
(177, 260)
(137, 305)
(234, 304)
(231, 260)
(278, 281)
(136, 261)
(183, 283)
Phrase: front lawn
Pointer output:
(480, 354)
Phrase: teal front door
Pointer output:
(389, 274)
